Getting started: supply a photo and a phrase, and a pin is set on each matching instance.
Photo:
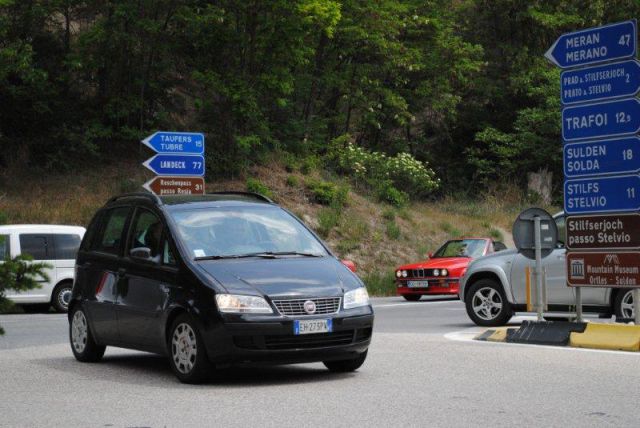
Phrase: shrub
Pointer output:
(385, 192)
(449, 229)
(310, 163)
(327, 219)
(292, 181)
(327, 193)
(256, 186)
(380, 283)
(403, 170)
(4, 218)
(393, 230)
(496, 234)
(389, 214)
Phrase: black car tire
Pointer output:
(412, 297)
(345, 366)
(57, 297)
(491, 290)
(91, 352)
(187, 367)
(621, 296)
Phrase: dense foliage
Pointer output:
(462, 84)
(20, 273)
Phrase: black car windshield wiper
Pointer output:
(264, 254)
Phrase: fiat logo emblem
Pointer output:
(310, 307)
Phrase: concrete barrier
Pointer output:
(608, 336)
(554, 333)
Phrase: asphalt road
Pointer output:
(422, 371)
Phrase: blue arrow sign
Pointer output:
(602, 194)
(621, 79)
(176, 142)
(174, 164)
(601, 120)
(593, 45)
(619, 156)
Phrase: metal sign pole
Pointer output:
(578, 304)
(636, 305)
(538, 251)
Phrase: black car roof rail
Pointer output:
(150, 196)
(251, 194)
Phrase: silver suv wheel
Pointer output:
(626, 306)
(487, 303)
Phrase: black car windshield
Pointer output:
(462, 248)
(244, 231)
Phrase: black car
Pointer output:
(211, 281)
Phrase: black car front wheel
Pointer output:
(344, 366)
(83, 345)
(187, 354)
(487, 304)
(412, 297)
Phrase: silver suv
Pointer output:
(493, 287)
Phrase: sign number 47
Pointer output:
(625, 39)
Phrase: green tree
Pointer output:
(20, 274)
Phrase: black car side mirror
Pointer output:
(142, 253)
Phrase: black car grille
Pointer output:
(309, 340)
(295, 307)
(305, 341)
(420, 273)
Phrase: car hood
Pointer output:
(280, 277)
(439, 263)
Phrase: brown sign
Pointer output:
(170, 186)
(603, 269)
(603, 232)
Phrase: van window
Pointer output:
(36, 245)
(66, 246)
(5, 247)
(147, 230)
(109, 239)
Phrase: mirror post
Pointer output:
(538, 254)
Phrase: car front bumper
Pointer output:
(449, 286)
(242, 339)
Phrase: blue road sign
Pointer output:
(176, 164)
(619, 156)
(176, 142)
(602, 194)
(621, 79)
(593, 45)
(601, 120)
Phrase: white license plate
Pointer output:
(417, 284)
(312, 326)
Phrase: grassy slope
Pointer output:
(375, 236)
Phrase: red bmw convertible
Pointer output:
(442, 272)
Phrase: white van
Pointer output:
(53, 244)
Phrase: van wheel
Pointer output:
(487, 305)
(345, 366)
(187, 354)
(83, 346)
(623, 305)
(61, 296)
